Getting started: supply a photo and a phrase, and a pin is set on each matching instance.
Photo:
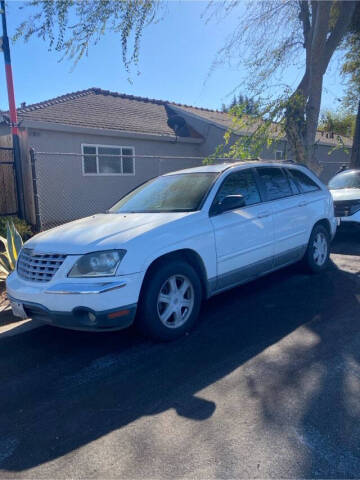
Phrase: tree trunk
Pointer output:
(355, 153)
(302, 112)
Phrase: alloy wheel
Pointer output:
(175, 301)
(320, 249)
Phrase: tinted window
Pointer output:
(240, 183)
(181, 192)
(275, 183)
(349, 179)
(306, 184)
(294, 186)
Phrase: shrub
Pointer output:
(21, 226)
(12, 244)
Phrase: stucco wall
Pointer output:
(65, 193)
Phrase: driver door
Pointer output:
(244, 237)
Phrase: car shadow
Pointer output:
(62, 389)
(346, 242)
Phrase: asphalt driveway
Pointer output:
(267, 386)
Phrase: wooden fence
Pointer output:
(8, 199)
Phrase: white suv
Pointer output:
(172, 242)
(345, 190)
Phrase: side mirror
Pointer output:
(230, 202)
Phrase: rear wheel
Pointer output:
(317, 254)
(170, 301)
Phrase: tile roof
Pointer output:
(221, 118)
(99, 108)
(102, 109)
(224, 120)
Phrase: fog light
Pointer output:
(92, 317)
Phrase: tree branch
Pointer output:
(304, 17)
(347, 9)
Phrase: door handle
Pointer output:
(263, 214)
(302, 204)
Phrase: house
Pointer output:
(93, 146)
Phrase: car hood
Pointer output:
(100, 232)
(346, 194)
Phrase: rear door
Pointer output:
(313, 198)
(244, 237)
(289, 213)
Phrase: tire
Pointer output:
(170, 301)
(316, 258)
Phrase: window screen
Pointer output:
(89, 159)
(240, 183)
(108, 160)
(275, 183)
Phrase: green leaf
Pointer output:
(5, 262)
(11, 244)
(5, 267)
(4, 242)
(3, 273)
(17, 239)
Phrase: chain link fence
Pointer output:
(68, 186)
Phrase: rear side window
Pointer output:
(294, 185)
(305, 183)
(239, 183)
(275, 183)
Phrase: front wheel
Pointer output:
(170, 301)
(316, 258)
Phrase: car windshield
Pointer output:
(350, 179)
(182, 192)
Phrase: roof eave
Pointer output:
(199, 117)
(60, 127)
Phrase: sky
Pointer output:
(176, 55)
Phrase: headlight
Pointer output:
(97, 264)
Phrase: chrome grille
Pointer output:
(38, 267)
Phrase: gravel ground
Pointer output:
(267, 386)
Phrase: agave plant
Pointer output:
(12, 244)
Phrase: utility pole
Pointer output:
(355, 153)
(13, 114)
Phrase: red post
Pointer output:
(13, 114)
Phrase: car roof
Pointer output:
(221, 167)
(348, 170)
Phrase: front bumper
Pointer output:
(334, 225)
(351, 219)
(82, 318)
(92, 304)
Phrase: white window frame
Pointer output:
(281, 153)
(97, 174)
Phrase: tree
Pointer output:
(250, 106)
(341, 122)
(72, 26)
(351, 71)
(351, 66)
(273, 35)
(355, 153)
